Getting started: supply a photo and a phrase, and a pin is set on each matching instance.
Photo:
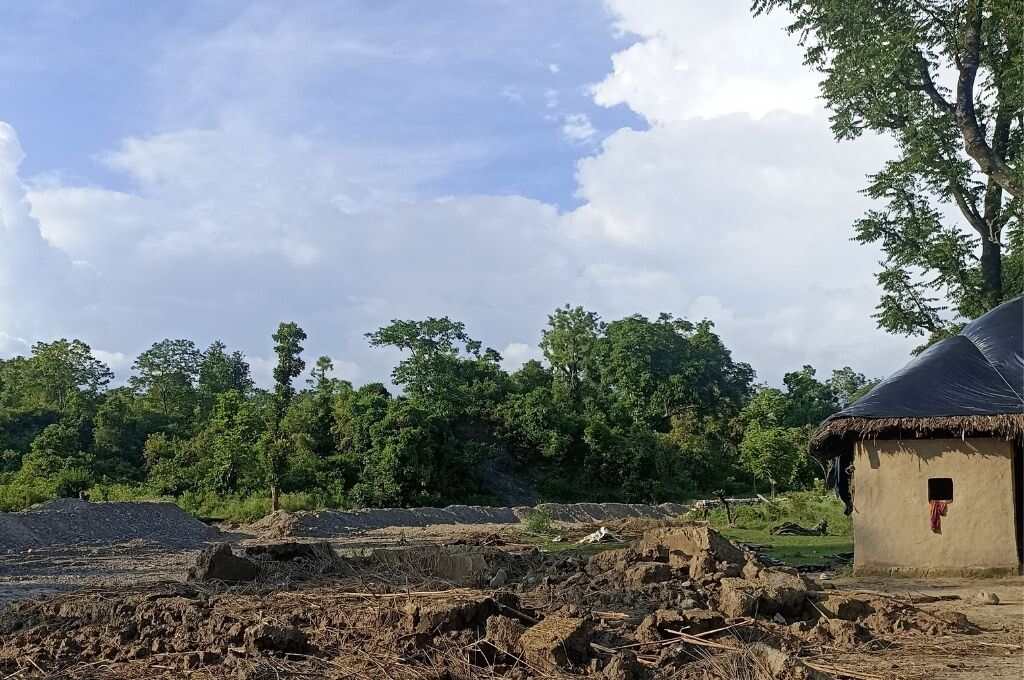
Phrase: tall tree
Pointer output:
(62, 370)
(886, 66)
(568, 344)
(165, 374)
(274, 444)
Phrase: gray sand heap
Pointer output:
(327, 523)
(72, 522)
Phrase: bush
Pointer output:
(538, 521)
(18, 494)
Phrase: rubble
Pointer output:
(681, 602)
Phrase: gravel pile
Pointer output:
(73, 522)
(327, 523)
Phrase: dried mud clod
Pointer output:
(681, 602)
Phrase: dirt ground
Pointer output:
(491, 604)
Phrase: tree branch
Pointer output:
(929, 85)
(966, 117)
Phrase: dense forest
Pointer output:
(634, 409)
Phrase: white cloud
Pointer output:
(577, 127)
(554, 68)
(735, 204)
(704, 60)
(516, 354)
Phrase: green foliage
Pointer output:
(947, 208)
(805, 508)
(633, 410)
(539, 522)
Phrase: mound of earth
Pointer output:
(327, 523)
(73, 522)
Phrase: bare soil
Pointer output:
(418, 603)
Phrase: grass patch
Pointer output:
(753, 524)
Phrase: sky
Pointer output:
(208, 169)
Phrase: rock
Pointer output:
(503, 633)
(623, 666)
(499, 579)
(780, 619)
(556, 643)
(218, 563)
(751, 570)
(798, 628)
(610, 560)
(983, 597)
(647, 572)
(702, 564)
(692, 539)
(265, 637)
(688, 603)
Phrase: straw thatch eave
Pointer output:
(838, 433)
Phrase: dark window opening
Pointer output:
(940, 489)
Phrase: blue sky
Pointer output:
(208, 169)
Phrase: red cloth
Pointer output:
(938, 511)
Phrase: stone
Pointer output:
(780, 619)
(499, 579)
(751, 570)
(218, 563)
(647, 572)
(556, 643)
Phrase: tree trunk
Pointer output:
(275, 498)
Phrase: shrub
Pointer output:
(538, 521)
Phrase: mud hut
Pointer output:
(929, 462)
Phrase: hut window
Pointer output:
(940, 489)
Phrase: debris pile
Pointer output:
(681, 602)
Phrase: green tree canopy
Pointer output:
(945, 80)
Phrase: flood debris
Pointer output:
(680, 602)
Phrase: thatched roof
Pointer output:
(969, 385)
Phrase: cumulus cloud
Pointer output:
(733, 204)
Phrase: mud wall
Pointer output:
(891, 517)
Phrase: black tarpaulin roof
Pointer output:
(970, 383)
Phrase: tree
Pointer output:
(568, 344)
(848, 386)
(166, 376)
(959, 146)
(220, 372)
(63, 370)
(275, 445)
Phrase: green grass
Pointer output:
(753, 523)
(793, 550)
